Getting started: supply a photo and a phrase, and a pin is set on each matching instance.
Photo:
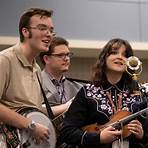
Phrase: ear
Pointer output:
(25, 32)
(46, 59)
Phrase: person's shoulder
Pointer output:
(43, 71)
(44, 74)
(74, 83)
(85, 90)
(6, 55)
(8, 52)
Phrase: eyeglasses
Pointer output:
(63, 55)
(43, 28)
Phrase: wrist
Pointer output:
(32, 125)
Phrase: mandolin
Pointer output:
(118, 121)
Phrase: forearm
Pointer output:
(59, 109)
(12, 118)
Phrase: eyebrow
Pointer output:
(62, 53)
(47, 26)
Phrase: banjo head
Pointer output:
(25, 135)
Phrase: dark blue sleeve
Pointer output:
(75, 119)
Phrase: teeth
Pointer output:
(46, 41)
(119, 63)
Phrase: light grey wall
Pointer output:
(11, 10)
(94, 19)
(84, 19)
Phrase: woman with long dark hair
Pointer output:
(109, 93)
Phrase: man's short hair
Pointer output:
(25, 18)
(56, 41)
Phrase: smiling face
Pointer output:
(115, 62)
(41, 38)
(110, 64)
(39, 33)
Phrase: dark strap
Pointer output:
(78, 80)
(49, 111)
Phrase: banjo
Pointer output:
(24, 137)
(26, 140)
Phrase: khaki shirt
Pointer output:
(18, 80)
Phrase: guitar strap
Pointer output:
(49, 111)
(10, 135)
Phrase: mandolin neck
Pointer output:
(118, 124)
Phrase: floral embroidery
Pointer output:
(98, 95)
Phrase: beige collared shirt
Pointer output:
(18, 80)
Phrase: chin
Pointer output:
(119, 71)
(65, 70)
(44, 49)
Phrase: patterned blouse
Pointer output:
(98, 104)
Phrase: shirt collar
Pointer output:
(23, 59)
(56, 81)
(119, 85)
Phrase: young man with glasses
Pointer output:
(58, 89)
(19, 85)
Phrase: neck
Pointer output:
(55, 74)
(114, 78)
(28, 52)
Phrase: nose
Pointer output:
(66, 58)
(49, 33)
(120, 55)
